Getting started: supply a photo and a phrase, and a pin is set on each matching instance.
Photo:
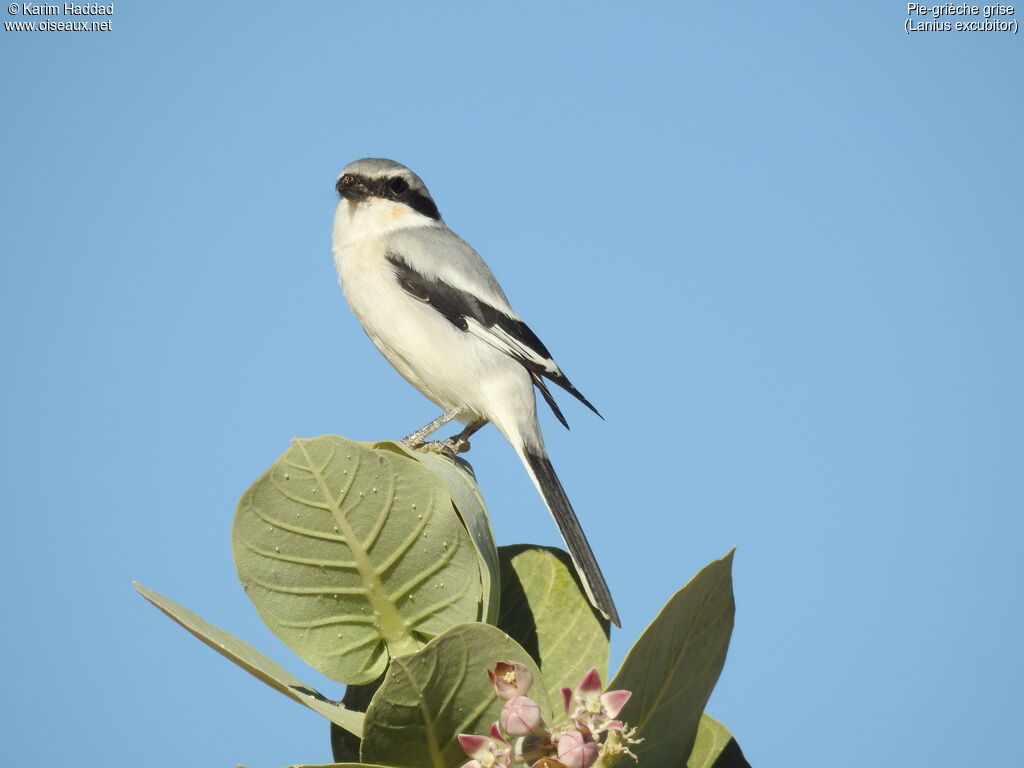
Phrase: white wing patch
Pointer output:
(501, 340)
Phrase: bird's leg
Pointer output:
(460, 443)
(415, 440)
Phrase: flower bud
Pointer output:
(576, 749)
(520, 716)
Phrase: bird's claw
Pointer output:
(458, 444)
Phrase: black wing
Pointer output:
(507, 334)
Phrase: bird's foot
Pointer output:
(451, 447)
(416, 439)
(457, 444)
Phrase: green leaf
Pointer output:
(546, 610)
(255, 663)
(715, 747)
(458, 476)
(338, 765)
(429, 698)
(352, 553)
(673, 667)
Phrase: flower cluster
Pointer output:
(591, 731)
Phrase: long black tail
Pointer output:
(544, 477)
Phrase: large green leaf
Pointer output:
(546, 610)
(715, 747)
(352, 553)
(430, 697)
(675, 664)
(255, 663)
(458, 477)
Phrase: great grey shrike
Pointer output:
(434, 310)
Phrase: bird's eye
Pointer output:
(398, 186)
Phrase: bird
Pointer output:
(435, 311)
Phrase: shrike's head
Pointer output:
(384, 188)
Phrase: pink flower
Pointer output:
(510, 679)
(487, 752)
(590, 708)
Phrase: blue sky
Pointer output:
(778, 247)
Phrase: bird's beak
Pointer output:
(352, 189)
